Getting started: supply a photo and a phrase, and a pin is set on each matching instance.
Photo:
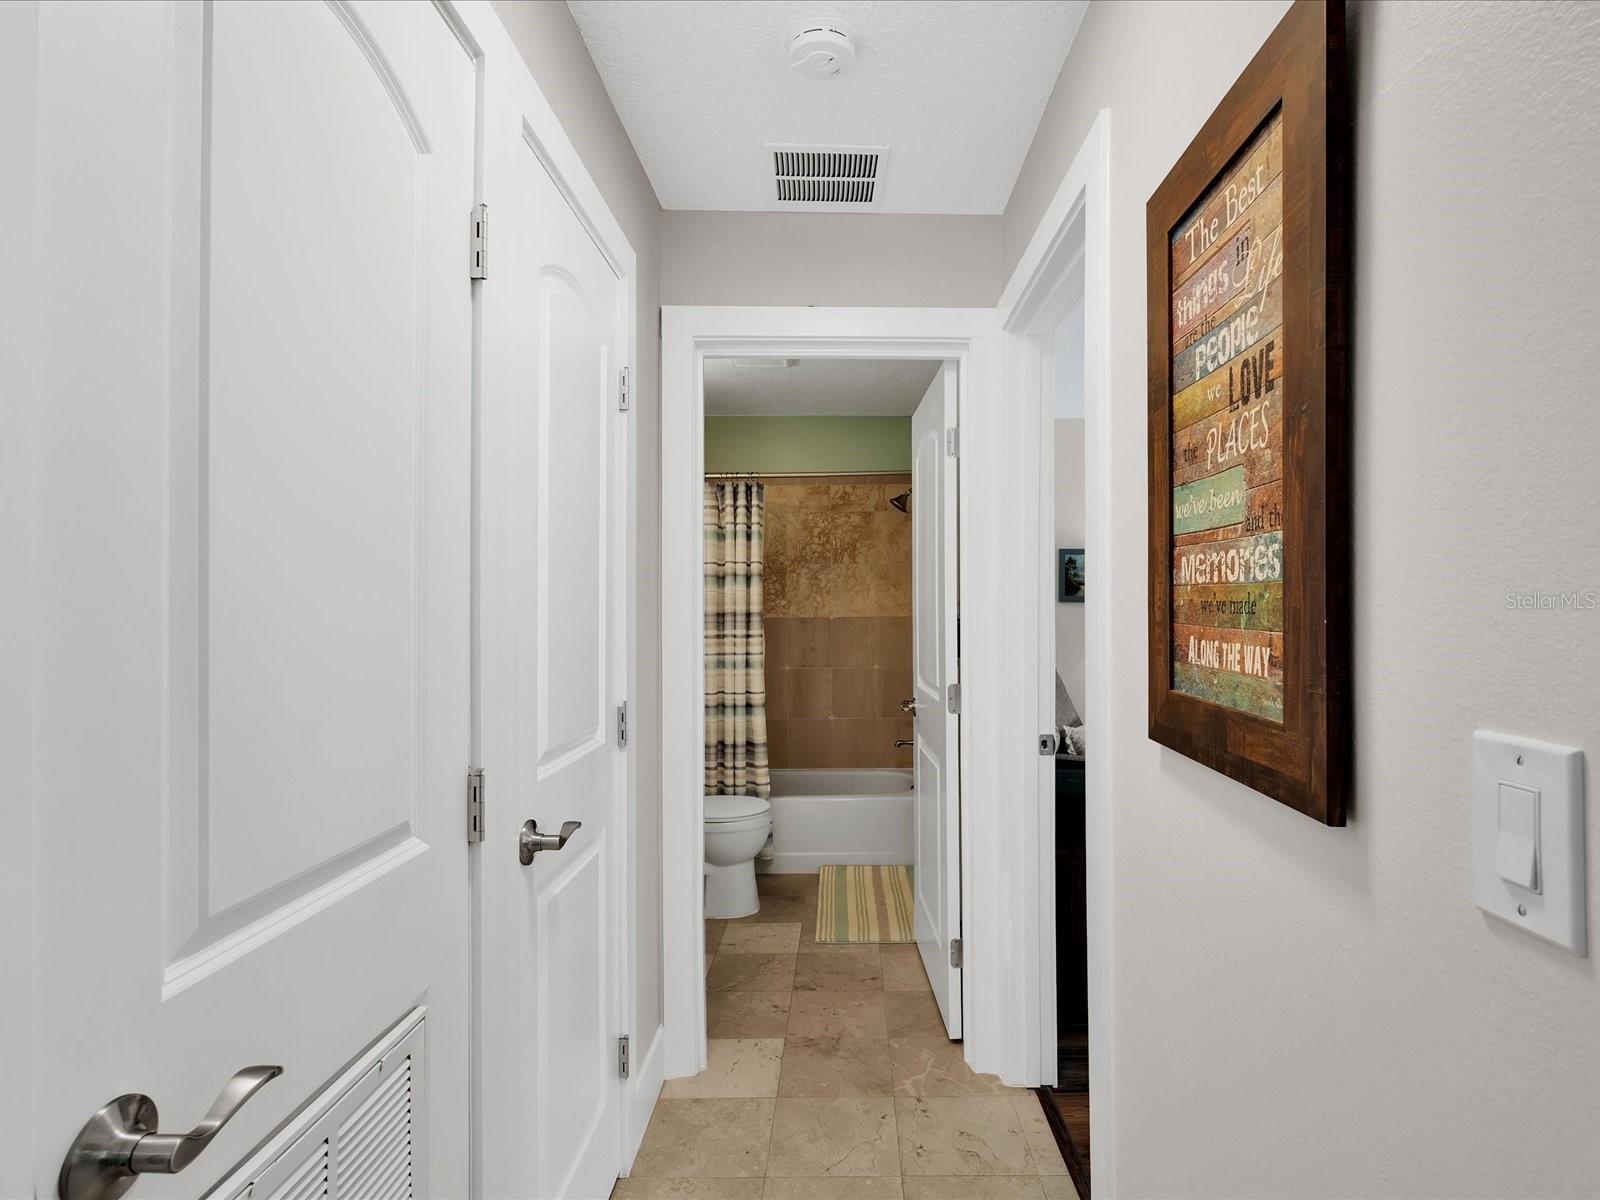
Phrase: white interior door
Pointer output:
(555, 664)
(936, 671)
(254, 480)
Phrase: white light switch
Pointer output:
(1528, 836)
(1516, 855)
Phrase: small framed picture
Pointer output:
(1069, 576)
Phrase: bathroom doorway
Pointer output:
(831, 751)
(809, 453)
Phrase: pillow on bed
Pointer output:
(1075, 741)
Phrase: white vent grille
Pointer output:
(362, 1138)
(374, 1142)
(827, 175)
(309, 1181)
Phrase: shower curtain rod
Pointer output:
(797, 474)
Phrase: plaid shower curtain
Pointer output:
(736, 648)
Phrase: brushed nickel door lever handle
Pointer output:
(120, 1143)
(531, 841)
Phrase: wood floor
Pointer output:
(1066, 1107)
(831, 1078)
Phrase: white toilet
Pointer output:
(736, 829)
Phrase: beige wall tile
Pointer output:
(869, 691)
(776, 631)
(810, 743)
(778, 755)
(868, 742)
(902, 729)
(807, 643)
(776, 680)
(852, 642)
(892, 637)
(810, 691)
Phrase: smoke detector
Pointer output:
(825, 50)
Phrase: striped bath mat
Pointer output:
(865, 904)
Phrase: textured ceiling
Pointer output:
(954, 88)
(859, 387)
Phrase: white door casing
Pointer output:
(254, 466)
(935, 672)
(554, 646)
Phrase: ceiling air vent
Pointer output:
(828, 176)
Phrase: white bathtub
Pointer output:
(821, 817)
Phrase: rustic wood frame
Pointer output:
(1304, 762)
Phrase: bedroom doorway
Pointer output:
(1054, 315)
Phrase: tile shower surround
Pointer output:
(838, 622)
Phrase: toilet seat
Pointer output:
(722, 809)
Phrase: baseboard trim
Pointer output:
(640, 1094)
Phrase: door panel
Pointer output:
(255, 467)
(310, 588)
(937, 876)
(575, 354)
(557, 444)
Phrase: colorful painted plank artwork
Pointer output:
(1228, 436)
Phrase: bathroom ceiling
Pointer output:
(817, 387)
(954, 89)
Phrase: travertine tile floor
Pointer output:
(830, 1078)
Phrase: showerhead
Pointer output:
(902, 501)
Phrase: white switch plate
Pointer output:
(1558, 910)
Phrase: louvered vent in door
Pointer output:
(359, 1139)
(827, 176)
(309, 1181)
(374, 1143)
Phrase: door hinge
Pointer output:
(955, 953)
(479, 251)
(952, 699)
(623, 1065)
(624, 401)
(952, 442)
(474, 805)
(622, 726)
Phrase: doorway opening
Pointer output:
(1054, 315)
(831, 739)
(811, 721)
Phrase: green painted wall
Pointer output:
(800, 445)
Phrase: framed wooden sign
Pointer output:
(1249, 479)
